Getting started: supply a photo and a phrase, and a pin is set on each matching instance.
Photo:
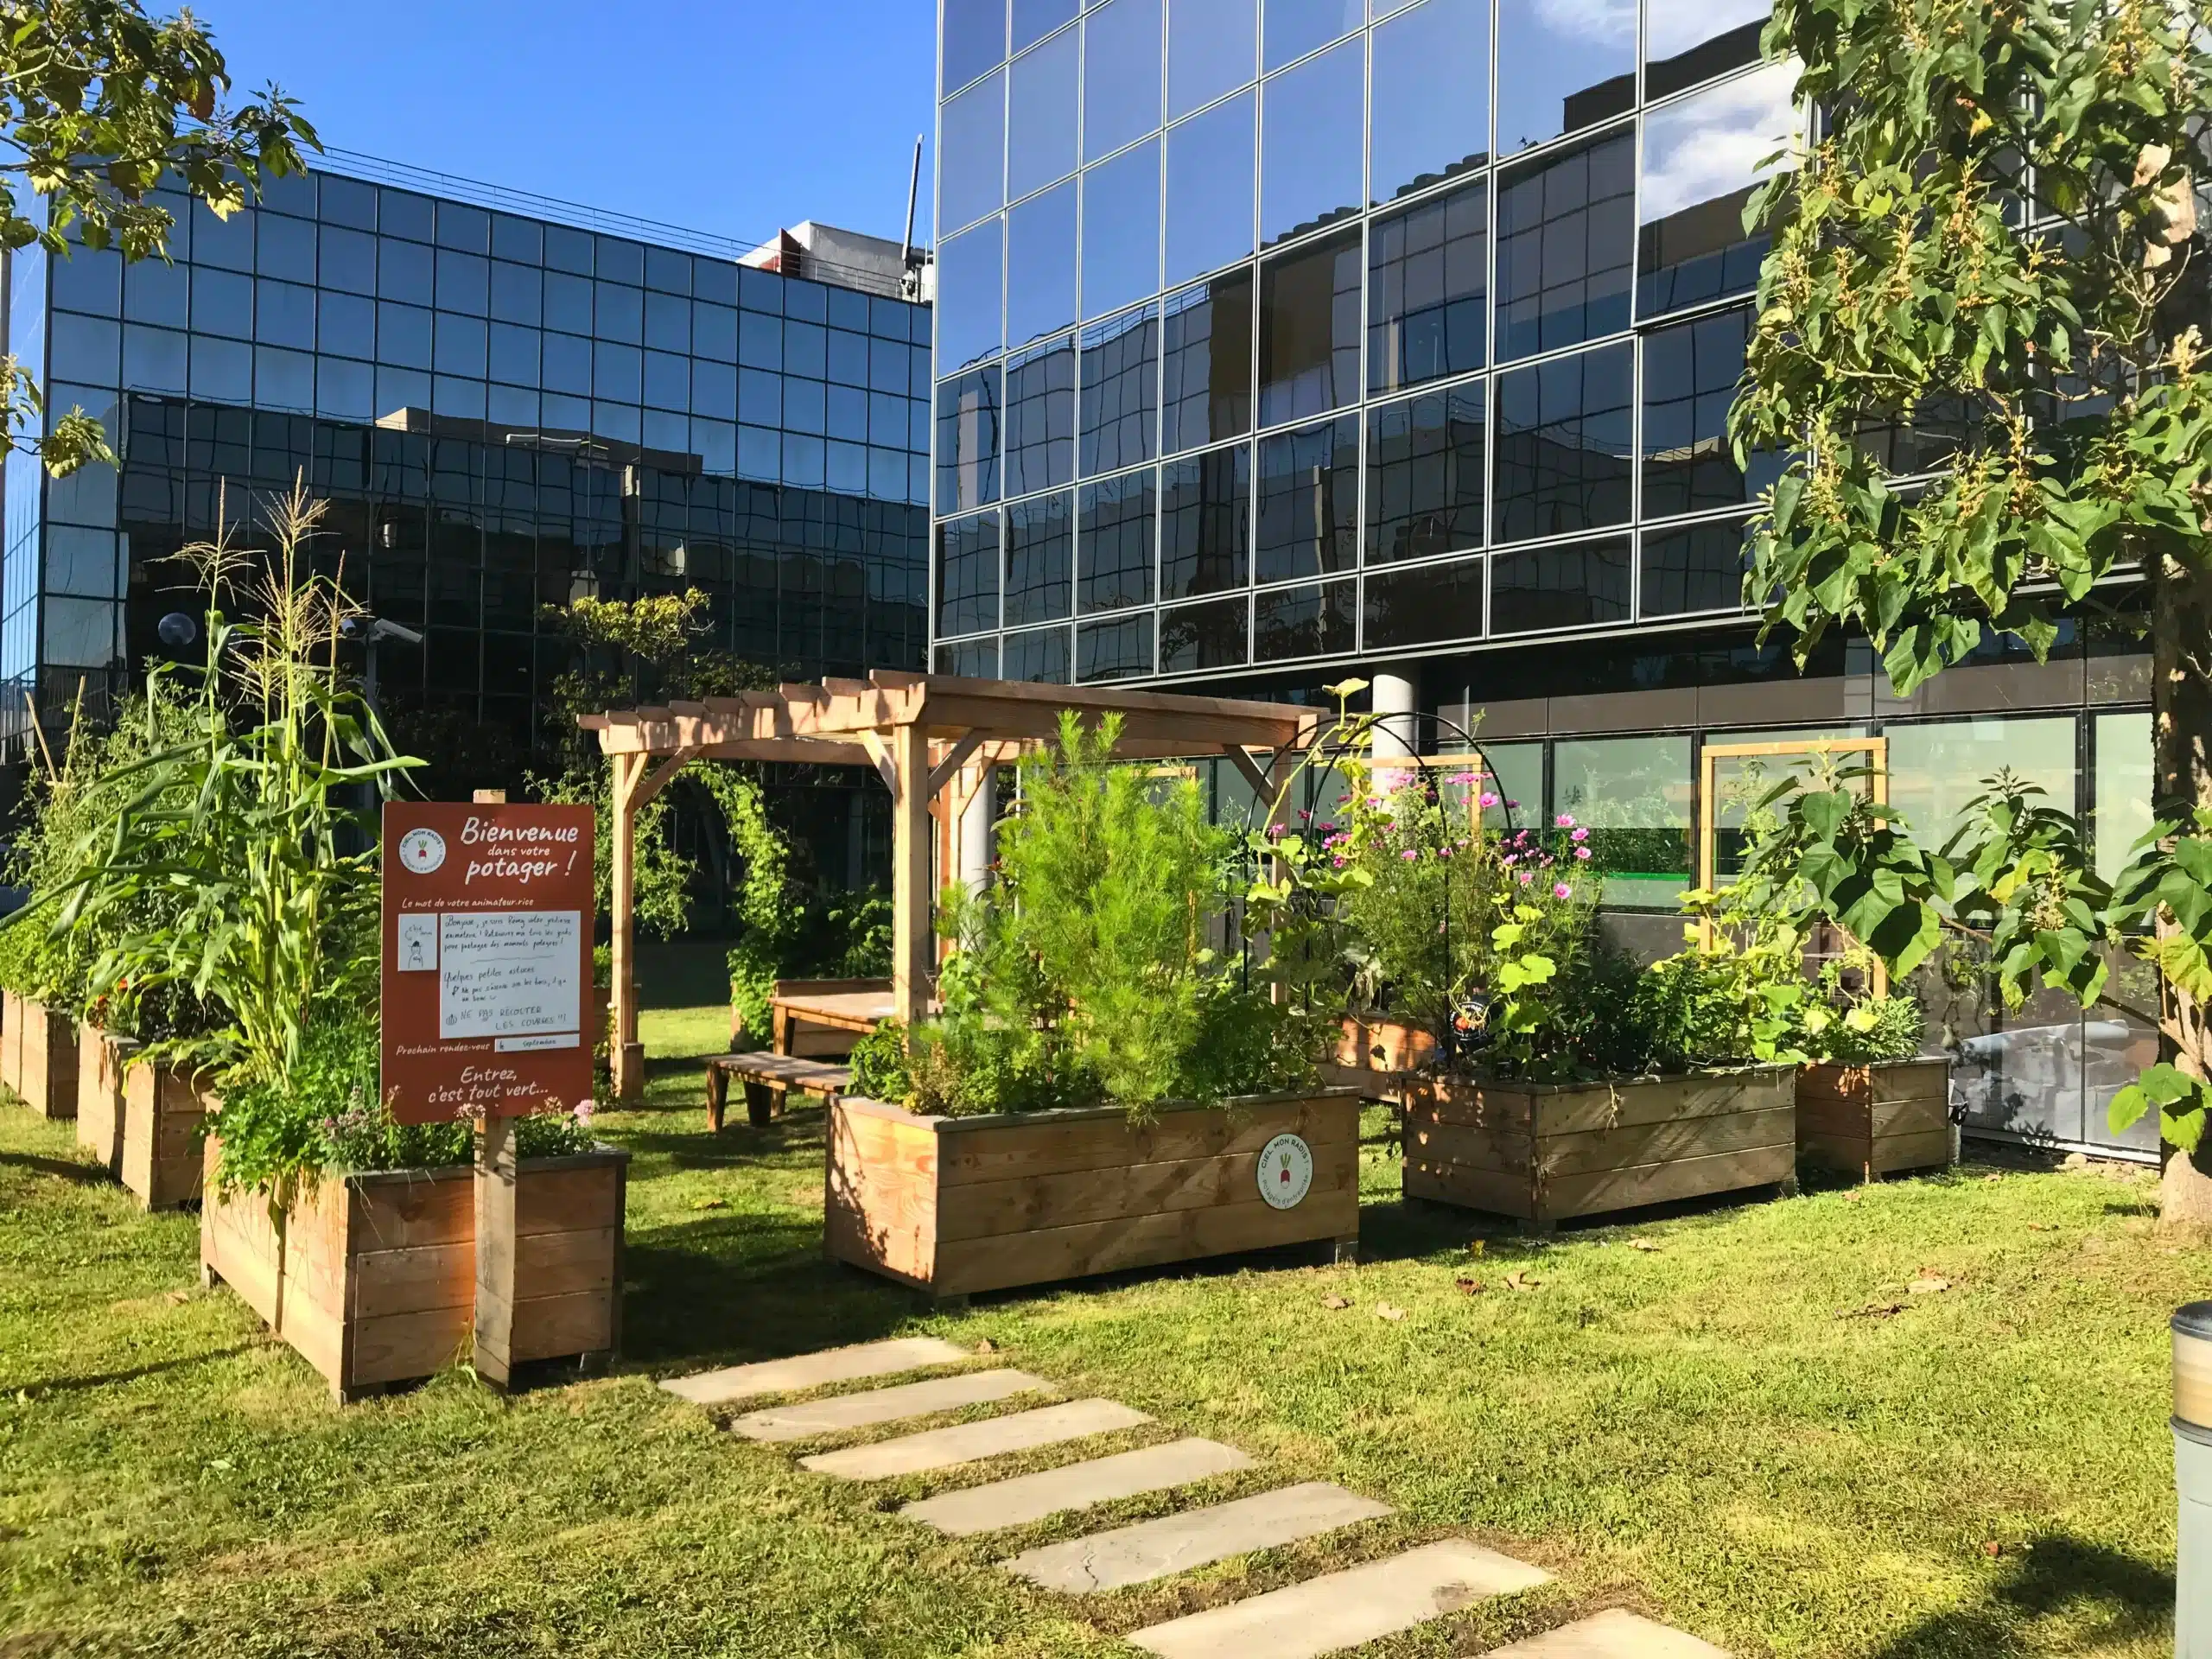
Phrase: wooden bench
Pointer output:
(768, 1079)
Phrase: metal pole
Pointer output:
(2192, 1426)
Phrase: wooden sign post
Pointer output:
(487, 913)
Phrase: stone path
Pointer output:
(1324, 1614)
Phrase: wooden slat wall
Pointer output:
(100, 1098)
(1875, 1120)
(162, 1108)
(48, 1081)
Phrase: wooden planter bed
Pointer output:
(162, 1106)
(1878, 1119)
(1546, 1152)
(41, 1056)
(101, 1056)
(1375, 1052)
(957, 1205)
(372, 1278)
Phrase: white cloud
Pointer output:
(1672, 27)
(1712, 144)
(1611, 23)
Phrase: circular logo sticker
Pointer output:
(421, 851)
(1285, 1172)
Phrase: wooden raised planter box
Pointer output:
(372, 1278)
(957, 1205)
(100, 1108)
(1546, 1152)
(1374, 1052)
(1877, 1119)
(38, 1057)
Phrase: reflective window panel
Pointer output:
(1121, 391)
(1316, 621)
(1205, 523)
(967, 440)
(1209, 162)
(1117, 650)
(1561, 69)
(1034, 19)
(1040, 559)
(1212, 48)
(973, 39)
(1428, 269)
(1308, 515)
(1425, 606)
(1571, 587)
(970, 659)
(1431, 96)
(1040, 265)
(1936, 771)
(1040, 418)
(1309, 329)
(1688, 40)
(1690, 373)
(1117, 520)
(1039, 655)
(1121, 230)
(968, 574)
(1040, 117)
(1698, 568)
(1425, 475)
(1565, 242)
(1207, 341)
(970, 272)
(2119, 810)
(1121, 75)
(1294, 28)
(1634, 793)
(1213, 634)
(1701, 159)
(1564, 446)
(1312, 121)
(971, 175)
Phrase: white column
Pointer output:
(1397, 695)
(974, 836)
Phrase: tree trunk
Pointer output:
(2181, 694)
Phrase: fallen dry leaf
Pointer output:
(1384, 1311)
(1999, 1178)
(2041, 1227)
(1928, 1284)
(1645, 1244)
(180, 1297)
(711, 1203)
(1471, 1287)
(986, 1346)
(1852, 1197)
(1336, 1302)
(1517, 1280)
(1992, 1549)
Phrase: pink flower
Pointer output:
(1487, 801)
(1277, 831)
(1444, 852)
(1560, 890)
(1565, 821)
(1510, 860)
(1579, 834)
(584, 1109)
(1582, 852)
(1409, 855)
(1510, 805)
(1526, 878)
(1304, 815)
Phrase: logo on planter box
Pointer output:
(1285, 1172)
(421, 851)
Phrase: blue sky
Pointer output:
(733, 117)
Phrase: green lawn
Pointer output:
(1715, 1432)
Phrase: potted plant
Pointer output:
(1100, 1089)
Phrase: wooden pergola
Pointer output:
(933, 739)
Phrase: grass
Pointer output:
(1717, 1432)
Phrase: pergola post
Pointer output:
(626, 1053)
(912, 921)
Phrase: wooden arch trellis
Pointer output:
(933, 739)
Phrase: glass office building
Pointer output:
(508, 403)
(1280, 340)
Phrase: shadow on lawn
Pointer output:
(67, 1169)
(2121, 1596)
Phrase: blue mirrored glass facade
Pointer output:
(504, 412)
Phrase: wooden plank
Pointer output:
(913, 897)
(568, 1200)
(881, 1189)
(439, 1208)
(1684, 1178)
(400, 1347)
(1567, 1111)
(382, 1282)
(1469, 1188)
(553, 1327)
(564, 1264)
(1658, 1143)
(1053, 1148)
(1845, 1154)
(1926, 1149)
(1463, 1143)
(988, 1209)
(499, 1202)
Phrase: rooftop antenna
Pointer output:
(910, 259)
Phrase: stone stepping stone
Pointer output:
(943, 1448)
(1342, 1610)
(1032, 1497)
(1175, 1544)
(849, 1411)
(1614, 1635)
(813, 1370)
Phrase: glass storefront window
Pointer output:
(1561, 69)
(1121, 75)
(1038, 655)
(1700, 567)
(1313, 120)
(1309, 329)
(1121, 391)
(1119, 650)
(1564, 445)
(1688, 40)
(1040, 265)
(1212, 48)
(1034, 19)
(1040, 117)
(971, 164)
(1634, 793)
(1294, 28)
(1040, 559)
(1428, 274)
(1425, 606)
(1425, 475)
(1935, 769)
(967, 573)
(1205, 523)
(1581, 585)
(1315, 622)
(1702, 160)
(1690, 373)
(1040, 418)
(973, 39)
(1210, 169)
(967, 440)
(1309, 514)
(1206, 334)
(1214, 634)
(2121, 811)
(970, 273)
(1121, 230)
(1431, 114)
(1116, 521)
(1564, 246)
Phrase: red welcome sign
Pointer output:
(486, 983)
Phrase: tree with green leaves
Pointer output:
(99, 104)
(1990, 253)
